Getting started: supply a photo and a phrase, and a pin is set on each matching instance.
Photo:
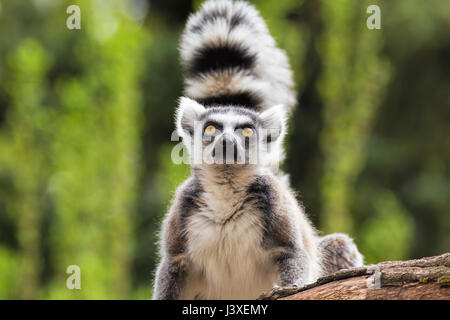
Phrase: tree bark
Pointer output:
(426, 278)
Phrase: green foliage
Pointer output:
(170, 174)
(76, 157)
(388, 234)
(24, 160)
(351, 85)
(86, 118)
(9, 277)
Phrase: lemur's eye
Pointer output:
(247, 132)
(209, 130)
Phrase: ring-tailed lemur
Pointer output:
(236, 230)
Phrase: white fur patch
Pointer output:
(227, 259)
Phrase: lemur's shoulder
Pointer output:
(278, 209)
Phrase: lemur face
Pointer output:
(230, 134)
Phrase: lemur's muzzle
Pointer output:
(226, 149)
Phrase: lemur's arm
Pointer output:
(169, 279)
(294, 267)
(281, 233)
(172, 270)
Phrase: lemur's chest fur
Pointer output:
(227, 260)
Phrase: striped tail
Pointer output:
(231, 59)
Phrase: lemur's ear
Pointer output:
(188, 112)
(274, 120)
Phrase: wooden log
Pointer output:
(426, 278)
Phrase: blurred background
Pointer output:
(86, 118)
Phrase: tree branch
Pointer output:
(426, 278)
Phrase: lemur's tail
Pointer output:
(231, 59)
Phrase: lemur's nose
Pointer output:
(229, 146)
(227, 142)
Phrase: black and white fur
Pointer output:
(230, 58)
(236, 230)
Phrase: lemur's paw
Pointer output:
(278, 291)
(339, 252)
